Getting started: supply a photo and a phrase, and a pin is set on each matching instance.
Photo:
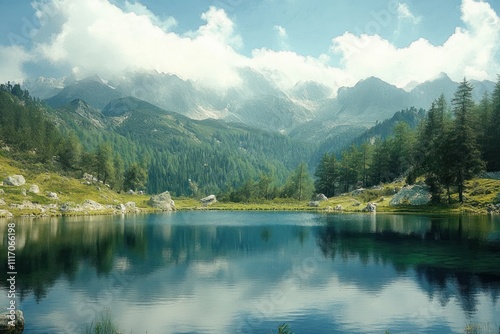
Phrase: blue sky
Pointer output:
(334, 42)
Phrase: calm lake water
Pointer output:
(248, 272)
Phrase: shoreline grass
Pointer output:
(480, 193)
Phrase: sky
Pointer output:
(332, 42)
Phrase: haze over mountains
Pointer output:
(309, 111)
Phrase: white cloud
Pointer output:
(281, 31)
(97, 37)
(12, 59)
(139, 9)
(282, 37)
(404, 13)
(219, 25)
(287, 68)
(470, 52)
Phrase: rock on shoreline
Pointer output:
(412, 195)
(162, 201)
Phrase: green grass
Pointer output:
(68, 190)
(103, 325)
(479, 194)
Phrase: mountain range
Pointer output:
(310, 111)
(181, 131)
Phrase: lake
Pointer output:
(249, 272)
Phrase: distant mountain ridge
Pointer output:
(91, 90)
(260, 104)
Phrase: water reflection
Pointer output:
(453, 256)
(218, 272)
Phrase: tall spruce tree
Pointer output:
(464, 155)
(431, 149)
(327, 174)
(104, 162)
(299, 184)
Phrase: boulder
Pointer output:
(121, 207)
(370, 207)
(34, 189)
(357, 192)
(69, 206)
(338, 207)
(162, 201)
(91, 205)
(2, 192)
(23, 192)
(412, 195)
(88, 177)
(14, 180)
(2, 202)
(131, 207)
(5, 214)
(209, 200)
(52, 195)
(130, 192)
(493, 208)
(314, 204)
(321, 197)
(6, 317)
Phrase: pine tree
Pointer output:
(430, 152)
(119, 170)
(327, 174)
(299, 184)
(135, 177)
(71, 152)
(465, 157)
(104, 162)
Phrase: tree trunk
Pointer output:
(460, 192)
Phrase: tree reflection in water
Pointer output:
(453, 256)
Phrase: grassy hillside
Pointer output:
(480, 194)
(68, 190)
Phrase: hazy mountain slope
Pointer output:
(342, 137)
(82, 114)
(370, 100)
(95, 93)
(307, 112)
(425, 93)
(271, 113)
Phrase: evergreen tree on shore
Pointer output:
(464, 155)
